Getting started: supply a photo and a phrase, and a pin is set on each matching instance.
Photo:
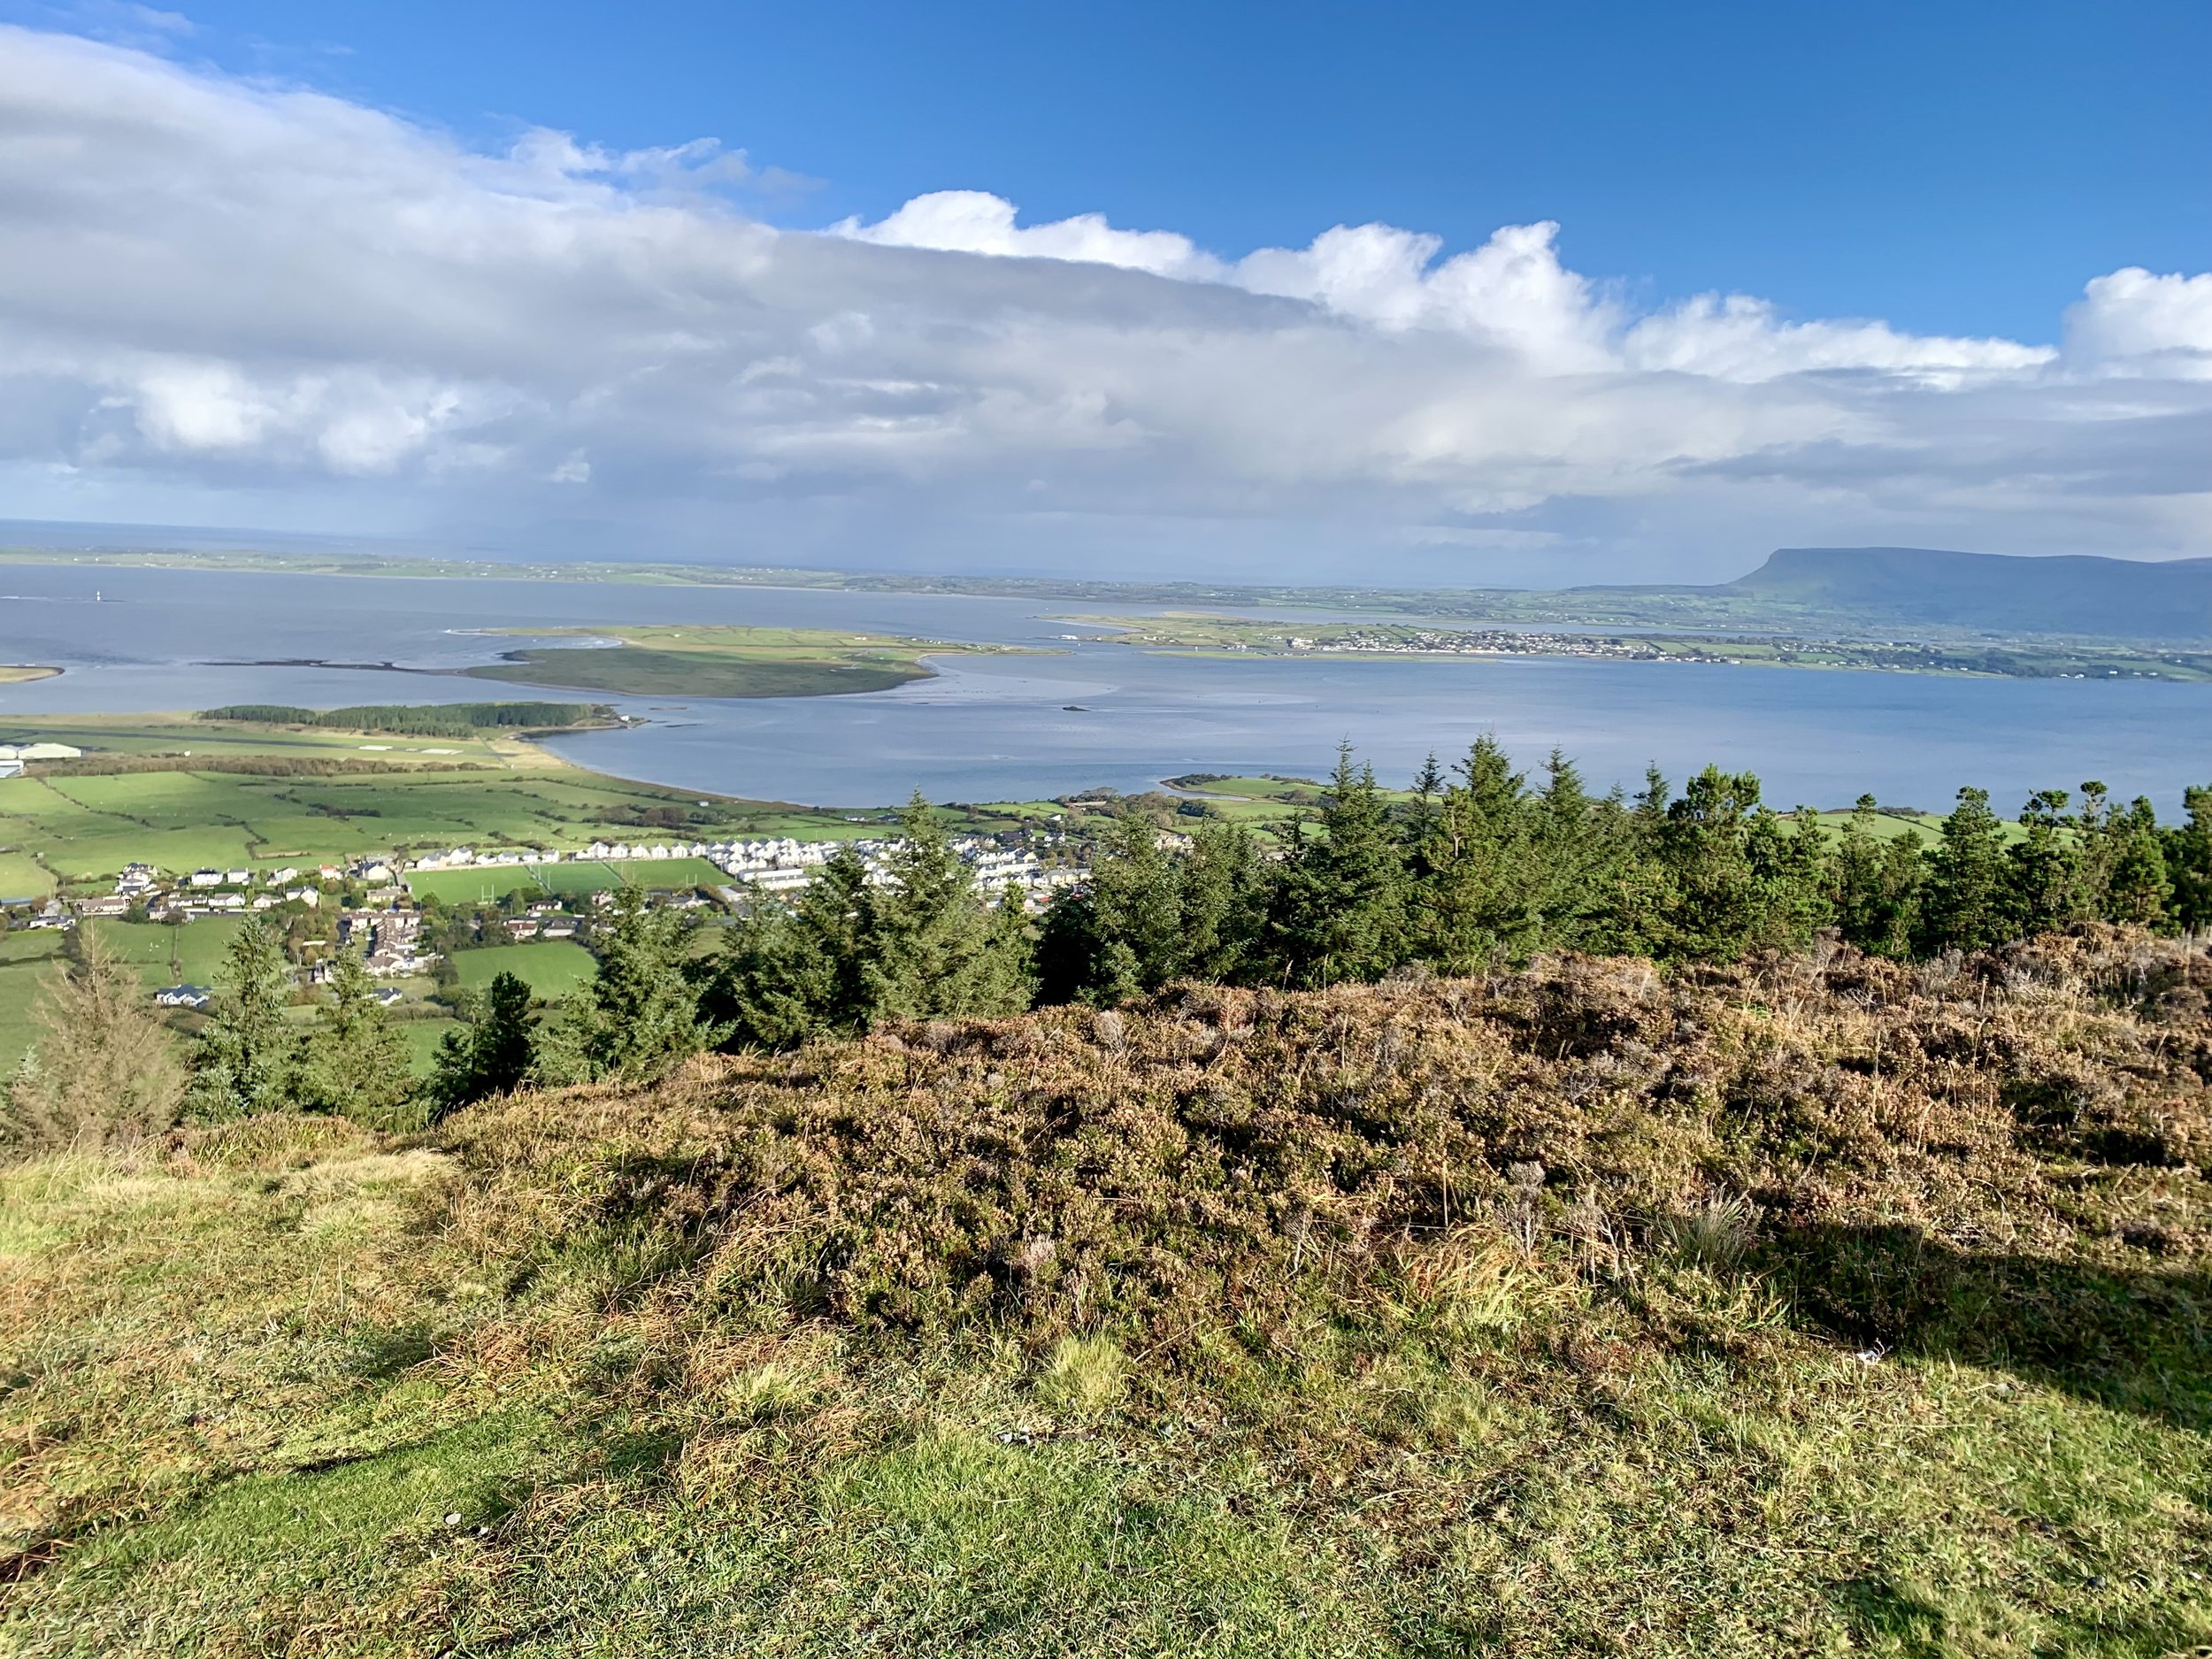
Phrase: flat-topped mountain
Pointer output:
(2127, 598)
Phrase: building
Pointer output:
(40, 751)
(184, 996)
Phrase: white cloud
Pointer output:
(263, 291)
(2132, 322)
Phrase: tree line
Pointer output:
(1469, 869)
(407, 719)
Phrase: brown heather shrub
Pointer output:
(1859, 1131)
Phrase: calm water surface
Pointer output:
(1000, 729)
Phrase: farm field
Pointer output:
(167, 954)
(84, 828)
(551, 967)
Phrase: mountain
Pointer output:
(2120, 598)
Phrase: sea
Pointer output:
(1081, 712)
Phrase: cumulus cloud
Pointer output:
(260, 289)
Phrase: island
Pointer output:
(665, 660)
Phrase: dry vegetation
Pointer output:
(1815, 1305)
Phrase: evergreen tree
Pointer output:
(2187, 850)
(1476, 867)
(1225, 900)
(2046, 877)
(495, 1052)
(2125, 864)
(933, 950)
(104, 1070)
(356, 1061)
(789, 975)
(248, 1059)
(1122, 935)
(641, 1015)
(1340, 908)
(1736, 879)
(1966, 903)
(1875, 884)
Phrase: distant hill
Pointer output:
(2121, 598)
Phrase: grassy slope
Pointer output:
(1317, 1360)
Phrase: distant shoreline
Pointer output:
(24, 673)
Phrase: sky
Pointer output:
(1454, 294)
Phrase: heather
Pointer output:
(1813, 1302)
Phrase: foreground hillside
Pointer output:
(1821, 1305)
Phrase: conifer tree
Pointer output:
(641, 1015)
(1340, 908)
(356, 1061)
(933, 950)
(2187, 849)
(494, 1051)
(787, 975)
(1874, 883)
(248, 1059)
(104, 1070)
(1967, 899)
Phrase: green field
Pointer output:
(551, 967)
(561, 880)
(168, 955)
(22, 877)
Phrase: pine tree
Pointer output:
(495, 1052)
(104, 1070)
(248, 1059)
(1340, 908)
(2187, 849)
(1967, 899)
(789, 975)
(933, 950)
(1476, 869)
(1875, 884)
(2136, 886)
(641, 1015)
(2046, 877)
(356, 1061)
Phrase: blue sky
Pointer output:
(1952, 168)
(1472, 293)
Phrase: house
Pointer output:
(237, 878)
(388, 995)
(558, 930)
(227, 901)
(281, 878)
(308, 896)
(522, 926)
(184, 996)
(205, 879)
(106, 904)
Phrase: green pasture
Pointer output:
(22, 877)
(551, 967)
(195, 948)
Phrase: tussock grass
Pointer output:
(1813, 1306)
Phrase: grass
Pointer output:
(725, 662)
(551, 967)
(166, 954)
(564, 880)
(23, 877)
(1577, 1311)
